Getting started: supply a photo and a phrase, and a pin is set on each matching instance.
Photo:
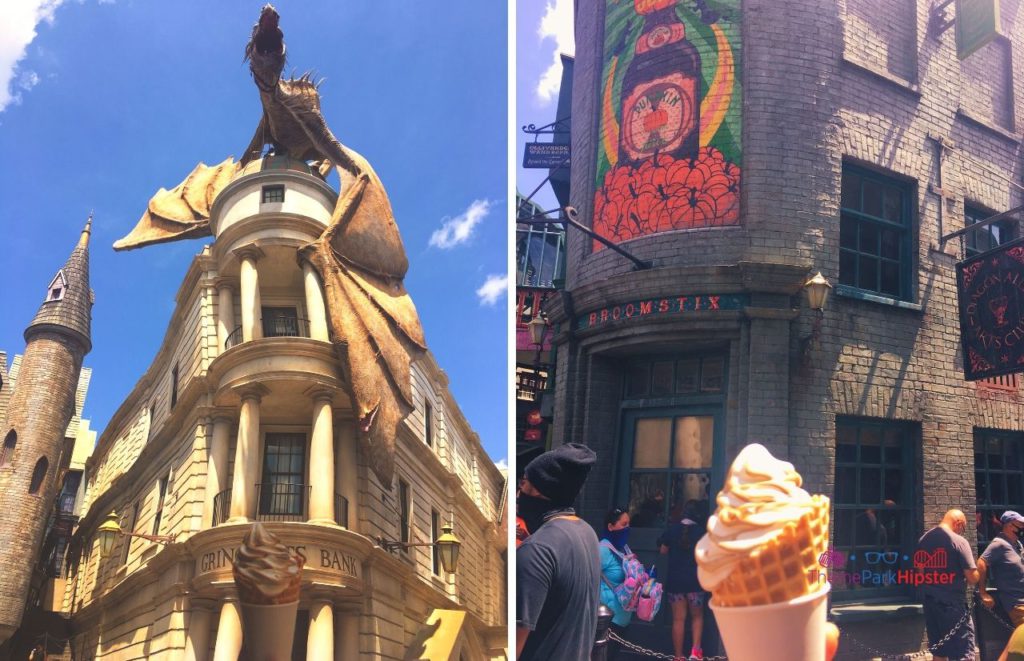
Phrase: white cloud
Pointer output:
(460, 228)
(17, 30)
(555, 24)
(28, 80)
(492, 289)
(502, 464)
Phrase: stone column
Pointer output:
(225, 313)
(229, 632)
(247, 454)
(345, 475)
(252, 328)
(216, 466)
(197, 640)
(320, 644)
(315, 303)
(348, 636)
(321, 451)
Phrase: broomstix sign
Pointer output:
(991, 292)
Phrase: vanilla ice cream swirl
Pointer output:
(265, 564)
(760, 496)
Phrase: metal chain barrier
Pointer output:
(636, 649)
(992, 613)
(931, 648)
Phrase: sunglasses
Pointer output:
(889, 557)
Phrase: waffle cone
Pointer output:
(785, 568)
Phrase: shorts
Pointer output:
(695, 598)
(940, 618)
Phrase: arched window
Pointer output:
(7, 452)
(38, 474)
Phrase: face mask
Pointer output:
(531, 510)
(618, 538)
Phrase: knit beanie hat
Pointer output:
(559, 474)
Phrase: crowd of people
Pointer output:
(564, 572)
(945, 558)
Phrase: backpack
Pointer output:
(649, 601)
(628, 592)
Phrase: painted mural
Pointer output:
(669, 149)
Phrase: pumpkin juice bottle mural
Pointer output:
(670, 119)
(660, 105)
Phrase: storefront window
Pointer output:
(671, 466)
(997, 479)
(874, 507)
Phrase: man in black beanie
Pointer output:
(558, 567)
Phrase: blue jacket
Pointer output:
(611, 569)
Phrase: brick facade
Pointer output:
(39, 410)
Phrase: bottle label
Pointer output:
(658, 115)
(660, 36)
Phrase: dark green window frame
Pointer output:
(670, 387)
(988, 237)
(876, 233)
(998, 479)
(875, 508)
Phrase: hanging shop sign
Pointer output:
(991, 293)
(977, 23)
(660, 306)
(545, 155)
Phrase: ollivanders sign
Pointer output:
(991, 292)
(653, 307)
(315, 557)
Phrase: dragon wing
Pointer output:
(182, 212)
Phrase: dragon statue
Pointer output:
(360, 258)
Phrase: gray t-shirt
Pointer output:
(945, 581)
(1005, 571)
(558, 575)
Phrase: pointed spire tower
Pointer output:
(38, 413)
(68, 304)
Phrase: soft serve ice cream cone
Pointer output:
(760, 561)
(268, 577)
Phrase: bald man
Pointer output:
(946, 562)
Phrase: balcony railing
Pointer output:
(285, 327)
(341, 510)
(279, 502)
(273, 327)
(221, 507)
(282, 502)
(233, 339)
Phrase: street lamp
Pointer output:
(110, 530)
(818, 289)
(538, 326)
(447, 544)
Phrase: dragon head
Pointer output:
(265, 50)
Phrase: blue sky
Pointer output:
(543, 30)
(103, 102)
